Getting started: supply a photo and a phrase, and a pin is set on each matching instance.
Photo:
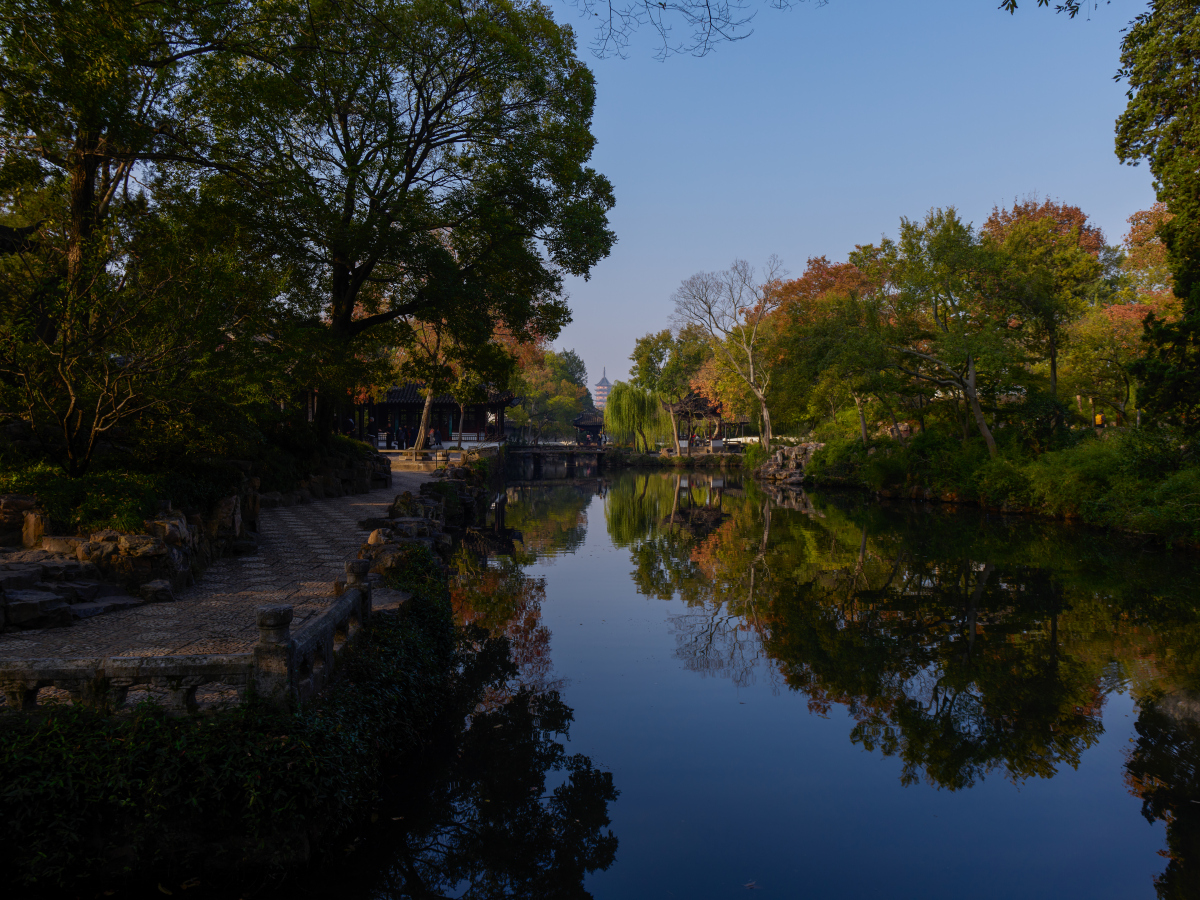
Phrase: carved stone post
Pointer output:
(20, 696)
(358, 575)
(273, 654)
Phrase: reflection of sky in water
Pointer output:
(912, 665)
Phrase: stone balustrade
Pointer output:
(282, 668)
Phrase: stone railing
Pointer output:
(281, 669)
(296, 668)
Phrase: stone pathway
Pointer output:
(302, 551)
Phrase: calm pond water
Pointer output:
(815, 696)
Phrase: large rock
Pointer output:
(97, 552)
(34, 525)
(67, 545)
(388, 557)
(35, 609)
(158, 591)
(171, 530)
(141, 545)
(19, 577)
(226, 519)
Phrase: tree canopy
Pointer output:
(315, 186)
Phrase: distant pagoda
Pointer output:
(600, 392)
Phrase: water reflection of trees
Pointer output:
(1163, 769)
(678, 529)
(550, 518)
(492, 828)
(495, 809)
(498, 809)
(959, 644)
(498, 596)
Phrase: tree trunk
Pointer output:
(82, 198)
(973, 399)
(895, 426)
(645, 443)
(862, 420)
(674, 428)
(765, 440)
(423, 428)
(973, 607)
(1053, 368)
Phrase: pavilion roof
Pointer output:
(588, 420)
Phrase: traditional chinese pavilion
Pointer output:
(403, 405)
(588, 424)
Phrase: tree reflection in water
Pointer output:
(1163, 769)
(672, 526)
(498, 809)
(959, 643)
(488, 825)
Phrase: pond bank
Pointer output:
(1142, 483)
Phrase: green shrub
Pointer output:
(1074, 482)
(938, 458)
(420, 573)
(119, 499)
(1150, 454)
(1001, 482)
(753, 455)
(1171, 510)
(886, 467)
(841, 458)
(88, 795)
(843, 427)
(351, 447)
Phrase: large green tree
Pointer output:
(942, 315)
(665, 364)
(1159, 58)
(1052, 269)
(412, 160)
(110, 296)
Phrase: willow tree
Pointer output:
(631, 411)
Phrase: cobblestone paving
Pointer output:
(302, 551)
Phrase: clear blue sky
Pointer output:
(826, 126)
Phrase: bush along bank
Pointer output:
(1144, 481)
(91, 800)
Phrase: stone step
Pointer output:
(110, 604)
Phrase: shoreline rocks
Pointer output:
(787, 464)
